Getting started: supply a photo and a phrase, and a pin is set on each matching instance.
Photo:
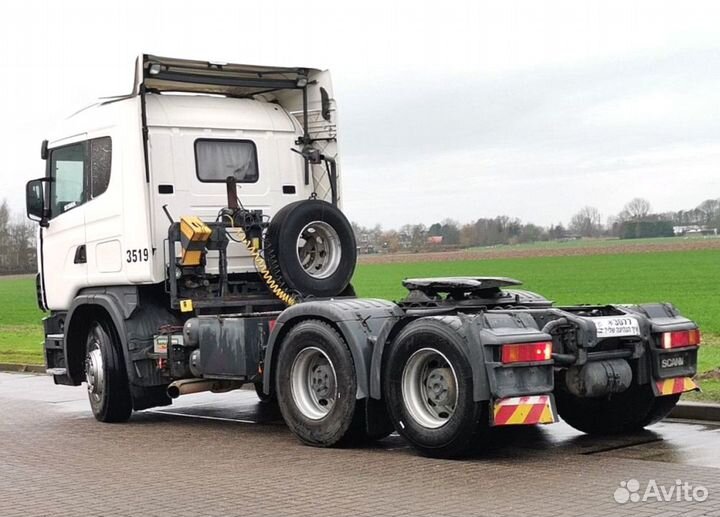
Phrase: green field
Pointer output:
(20, 322)
(689, 279)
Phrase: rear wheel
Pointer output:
(631, 410)
(428, 387)
(107, 383)
(266, 399)
(316, 386)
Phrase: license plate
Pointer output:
(616, 326)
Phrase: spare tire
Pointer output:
(310, 246)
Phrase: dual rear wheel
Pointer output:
(428, 389)
(629, 411)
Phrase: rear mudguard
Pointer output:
(361, 322)
(480, 334)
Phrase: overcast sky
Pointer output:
(447, 109)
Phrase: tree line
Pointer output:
(17, 242)
(636, 220)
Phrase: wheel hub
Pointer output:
(429, 388)
(439, 385)
(94, 372)
(322, 382)
(313, 383)
(318, 249)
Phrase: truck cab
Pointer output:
(117, 169)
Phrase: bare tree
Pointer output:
(21, 238)
(636, 210)
(586, 222)
(4, 234)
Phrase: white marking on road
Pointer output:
(204, 417)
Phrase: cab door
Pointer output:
(64, 262)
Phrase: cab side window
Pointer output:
(80, 172)
(216, 160)
(67, 169)
(100, 157)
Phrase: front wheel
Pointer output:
(107, 383)
(629, 411)
(316, 386)
(429, 390)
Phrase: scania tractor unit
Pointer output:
(191, 239)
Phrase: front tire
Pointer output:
(428, 388)
(107, 382)
(316, 386)
(625, 412)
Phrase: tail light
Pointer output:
(680, 339)
(526, 352)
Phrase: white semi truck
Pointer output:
(191, 239)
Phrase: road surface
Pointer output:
(226, 455)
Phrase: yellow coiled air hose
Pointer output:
(262, 268)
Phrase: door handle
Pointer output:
(80, 255)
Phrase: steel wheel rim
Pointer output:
(313, 383)
(429, 388)
(318, 249)
(94, 371)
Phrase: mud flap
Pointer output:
(536, 409)
(674, 386)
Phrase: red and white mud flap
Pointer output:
(674, 386)
(536, 409)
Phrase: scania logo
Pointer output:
(673, 362)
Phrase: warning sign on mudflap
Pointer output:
(616, 326)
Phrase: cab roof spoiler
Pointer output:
(164, 74)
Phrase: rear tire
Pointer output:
(629, 411)
(428, 388)
(105, 375)
(316, 386)
(266, 399)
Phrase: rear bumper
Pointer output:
(529, 410)
(674, 386)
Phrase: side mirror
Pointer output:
(35, 201)
(325, 104)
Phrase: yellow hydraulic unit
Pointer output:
(194, 235)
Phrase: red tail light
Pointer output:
(680, 338)
(527, 352)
